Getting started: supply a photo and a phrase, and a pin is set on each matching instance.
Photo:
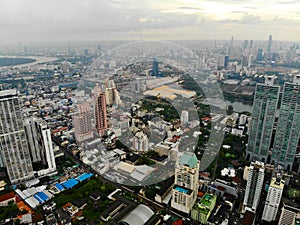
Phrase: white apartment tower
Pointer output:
(254, 186)
(141, 142)
(273, 199)
(184, 117)
(14, 150)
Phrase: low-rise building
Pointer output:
(203, 209)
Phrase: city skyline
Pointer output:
(49, 21)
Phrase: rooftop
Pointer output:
(188, 159)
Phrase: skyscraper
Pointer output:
(100, 111)
(288, 128)
(259, 56)
(155, 70)
(40, 145)
(14, 150)
(111, 93)
(269, 49)
(83, 123)
(185, 190)
(261, 128)
(254, 186)
(273, 199)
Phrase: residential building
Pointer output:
(111, 93)
(83, 123)
(254, 186)
(289, 216)
(15, 155)
(184, 117)
(185, 190)
(288, 127)
(273, 199)
(261, 128)
(141, 142)
(40, 145)
(100, 111)
(203, 209)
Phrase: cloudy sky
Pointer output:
(80, 20)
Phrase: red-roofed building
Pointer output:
(5, 199)
(200, 194)
(178, 222)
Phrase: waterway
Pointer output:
(240, 106)
(39, 59)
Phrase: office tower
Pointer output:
(289, 216)
(111, 93)
(254, 186)
(185, 190)
(269, 49)
(273, 199)
(245, 44)
(251, 44)
(288, 126)
(231, 42)
(226, 61)
(141, 142)
(220, 60)
(155, 70)
(100, 111)
(184, 117)
(86, 52)
(261, 128)
(13, 146)
(259, 56)
(83, 123)
(40, 145)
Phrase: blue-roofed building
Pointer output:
(42, 196)
(59, 187)
(70, 183)
(84, 177)
(185, 190)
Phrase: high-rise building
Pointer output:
(141, 142)
(111, 93)
(289, 216)
(40, 145)
(259, 56)
(269, 48)
(263, 117)
(254, 186)
(185, 190)
(288, 128)
(155, 70)
(184, 117)
(14, 150)
(273, 199)
(83, 123)
(100, 111)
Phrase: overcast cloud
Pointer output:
(80, 20)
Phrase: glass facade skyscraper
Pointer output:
(288, 129)
(261, 129)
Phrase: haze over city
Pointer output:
(73, 20)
